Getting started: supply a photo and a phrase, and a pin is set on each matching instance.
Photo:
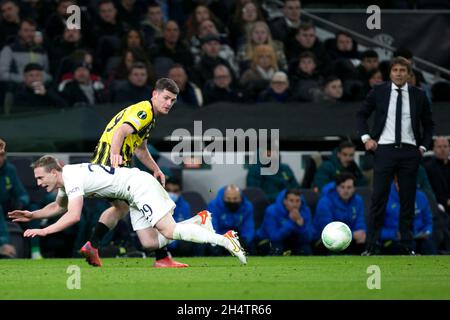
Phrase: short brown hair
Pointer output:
(48, 163)
(167, 84)
(401, 61)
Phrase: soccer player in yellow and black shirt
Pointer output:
(126, 134)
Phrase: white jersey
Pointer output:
(148, 200)
(92, 180)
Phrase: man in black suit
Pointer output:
(402, 132)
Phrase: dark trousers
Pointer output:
(389, 160)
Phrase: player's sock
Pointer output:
(100, 231)
(161, 253)
(195, 233)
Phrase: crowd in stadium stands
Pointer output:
(215, 50)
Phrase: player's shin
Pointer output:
(195, 233)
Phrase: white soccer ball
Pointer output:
(336, 236)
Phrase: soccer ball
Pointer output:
(336, 236)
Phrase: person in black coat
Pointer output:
(402, 132)
(33, 93)
(135, 89)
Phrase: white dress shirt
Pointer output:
(388, 133)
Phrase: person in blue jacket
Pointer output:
(422, 224)
(339, 202)
(232, 210)
(287, 225)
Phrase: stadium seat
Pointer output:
(311, 198)
(195, 200)
(17, 240)
(259, 200)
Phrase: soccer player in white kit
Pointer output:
(151, 208)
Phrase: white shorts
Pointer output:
(151, 202)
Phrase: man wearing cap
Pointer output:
(33, 92)
(82, 90)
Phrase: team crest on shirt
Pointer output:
(142, 115)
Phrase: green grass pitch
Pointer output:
(334, 277)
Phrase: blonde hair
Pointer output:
(48, 163)
(250, 45)
(265, 49)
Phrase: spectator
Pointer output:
(221, 88)
(130, 12)
(422, 224)
(272, 185)
(14, 57)
(6, 249)
(56, 23)
(257, 78)
(9, 22)
(259, 33)
(278, 90)
(171, 46)
(331, 91)
(305, 78)
(287, 225)
(108, 31)
(339, 202)
(306, 40)
(369, 63)
(206, 28)
(438, 170)
(245, 16)
(374, 78)
(285, 28)
(122, 69)
(203, 70)
(231, 210)
(135, 89)
(343, 47)
(412, 81)
(32, 93)
(82, 90)
(62, 47)
(341, 161)
(189, 93)
(153, 23)
(200, 14)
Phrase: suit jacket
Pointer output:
(378, 100)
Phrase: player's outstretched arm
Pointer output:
(72, 216)
(58, 207)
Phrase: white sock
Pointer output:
(194, 220)
(194, 233)
(163, 241)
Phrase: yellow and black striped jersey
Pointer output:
(140, 116)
